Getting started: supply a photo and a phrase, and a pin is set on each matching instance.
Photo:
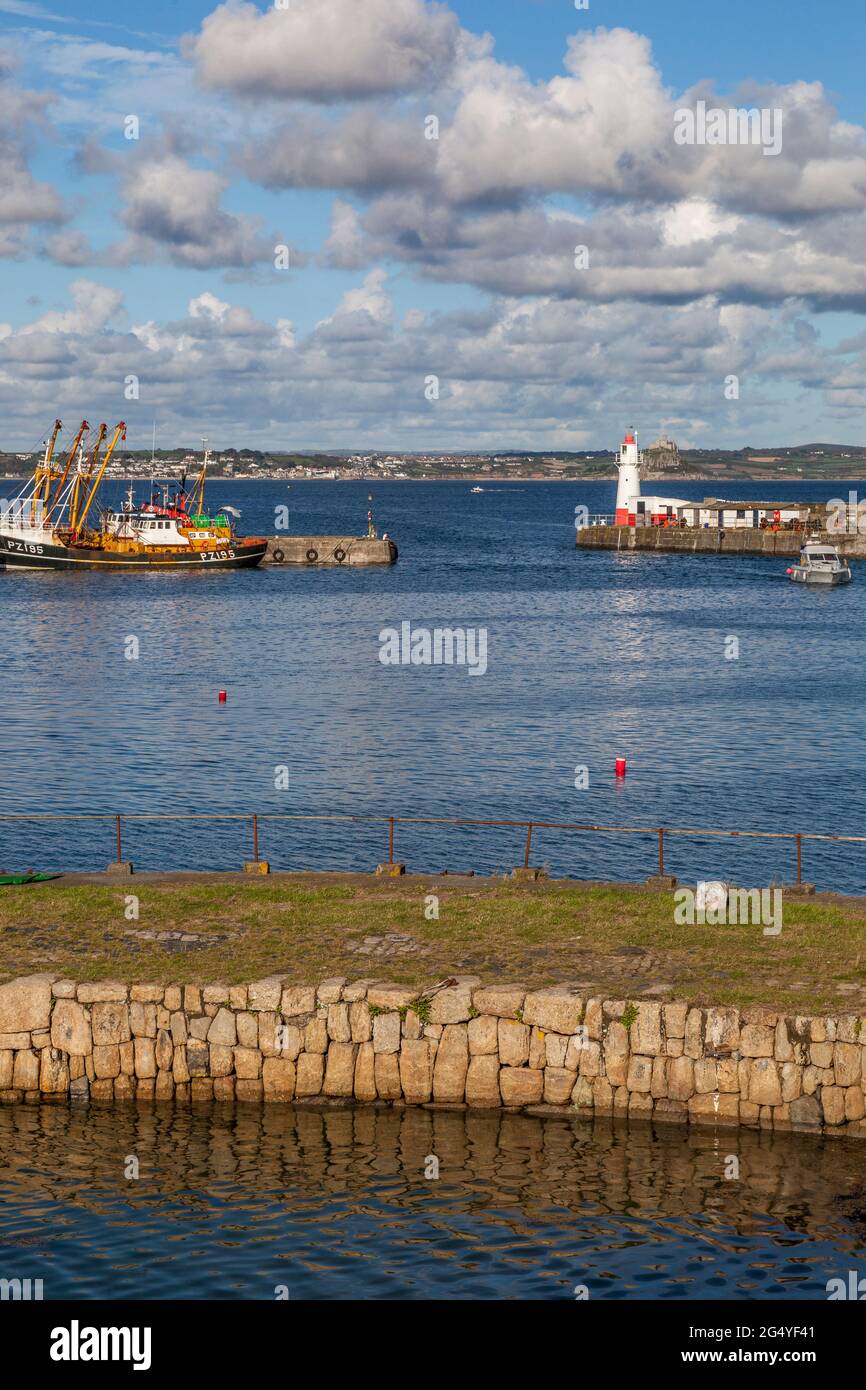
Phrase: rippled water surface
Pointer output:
(231, 1203)
(591, 655)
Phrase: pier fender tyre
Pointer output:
(339, 555)
(277, 556)
(312, 555)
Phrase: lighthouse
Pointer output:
(628, 487)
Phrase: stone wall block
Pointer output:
(482, 1082)
(416, 1072)
(452, 1005)
(310, 1072)
(316, 1035)
(694, 1036)
(386, 1032)
(70, 1028)
(197, 1058)
(340, 1069)
(846, 1063)
(222, 1059)
(53, 1071)
(360, 1021)
(386, 1069)
(329, 991)
(554, 1010)
(483, 1035)
(452, 1064)
(503, 1001)
(248, 1029)
(764, 1085)
(248, 1063)
(142, 1019)
(278, 1078)
(722, 1031)
(223, 1029)
(681, 1078)
(265, 994)
(339, 1028)
(559, 1083)
(365, 1072)
(109, 1021)
(675, 1015)
(639, 1076)
(646, 1030)
(513, 1043)
(145, 1058)
(521, 1085)
(298, 1000)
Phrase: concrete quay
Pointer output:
(330, 550)
(694, 540)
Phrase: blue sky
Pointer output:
(154, 258)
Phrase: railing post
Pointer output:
(799, 857)
(255, 838)
(528, 845)
(390, 839)
(661, 852)
(117, 828)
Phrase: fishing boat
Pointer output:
(476, 489)
(820, 564)
(48, 525)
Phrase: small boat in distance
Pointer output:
(48, 525)
(476, 489)
(820, 564)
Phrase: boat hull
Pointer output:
(15, 554)
(820, 578)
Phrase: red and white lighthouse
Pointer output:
(628, 488)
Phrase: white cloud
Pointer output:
(323, 50)
(537, 374)
(24, 201)
(208, 306)
(95, 307)
(175, 209)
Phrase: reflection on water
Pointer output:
(333, 1203)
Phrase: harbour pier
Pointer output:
(715, 540)
(330, 550)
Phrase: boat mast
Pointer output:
(201, 477)
(65, 474)
(86, 476)
(119, 433)
(44, 472)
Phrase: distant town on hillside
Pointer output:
(663, 459)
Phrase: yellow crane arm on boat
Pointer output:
(84, 478)
(43, 472)
(65, 474)
(119, 433)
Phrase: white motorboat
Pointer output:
(820, 563)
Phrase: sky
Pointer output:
(394, 224)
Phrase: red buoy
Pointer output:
(620, 767)
(222, 697)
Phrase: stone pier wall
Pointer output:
(330, 550)
(712, 541)
(456, 1044)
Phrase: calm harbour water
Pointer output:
(232, 1203)
(591, 656)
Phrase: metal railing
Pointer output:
(531, 828)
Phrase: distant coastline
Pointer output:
(484, 478)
